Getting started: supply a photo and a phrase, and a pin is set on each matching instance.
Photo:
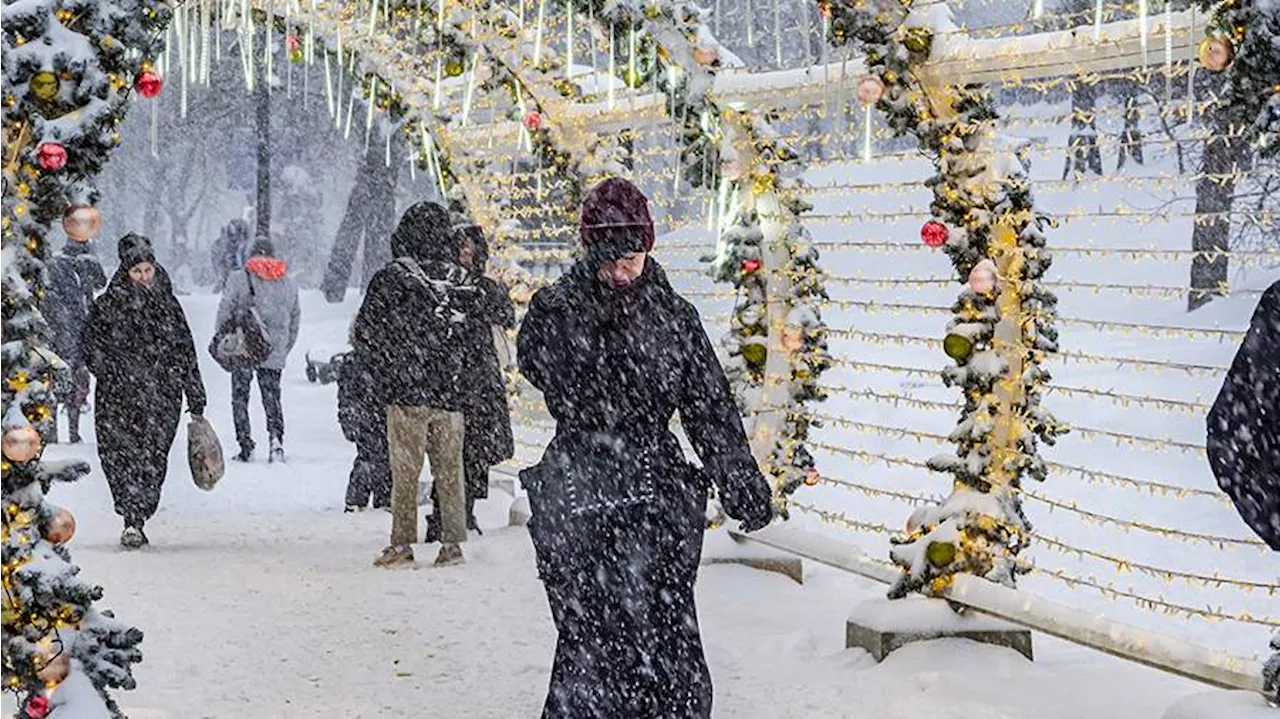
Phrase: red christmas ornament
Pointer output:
(148, 84)
(751, 265)
(532, 121)
(52, 156)
(37, 706)
(292, 43)
(934, 233)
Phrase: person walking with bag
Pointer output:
(138, 345)
(264, 287)
(618, 513)
(408, 333)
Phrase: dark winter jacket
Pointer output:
(363, 419)
(614, 366)
(1244, 424)
(410, 325)
(488, 416)
(229, 251)
(138, 344)
(74, 276)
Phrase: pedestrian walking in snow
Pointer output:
(618, 512)
(227, 253)
(1243, 440)
(263, 284)
(488, 438)
(139, 347)
(409, 332)
(74, 276)
(364, 422)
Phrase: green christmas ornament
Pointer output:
(918, 40)
(44, 85)
(940, 554)
(296, 56)
(633, 78)
(755, 354)
(957, 347)
(453, 68)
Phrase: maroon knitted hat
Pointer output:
(615, 220)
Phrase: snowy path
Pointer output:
(259, 597)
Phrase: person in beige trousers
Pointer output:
(407, 333)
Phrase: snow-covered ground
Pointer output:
(259, 597)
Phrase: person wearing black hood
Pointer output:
(618, 513)
(139, 347)
(408, 333)
(74, 276)
(488, 439)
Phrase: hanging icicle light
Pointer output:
(1143, 29)
(866, 133)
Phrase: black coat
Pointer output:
(363, 419)
(409, 328)
(1244, 424)
(74, 276)
(618, 513)
(138, 345)
(488, 417)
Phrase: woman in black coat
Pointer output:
(138, 345)
(618, 512)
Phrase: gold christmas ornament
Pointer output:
(812, 477)
(1215, 53)
(20, 444)
(940, 554)
(755, 354)
(453, 68)
(957, 347)
(61, 527)
(82, 222)
(870, 89)
(918, 40)
(56, 670)
(44, 85)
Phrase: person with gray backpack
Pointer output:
(258, 303)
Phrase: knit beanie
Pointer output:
(615, 221)
(134, 249)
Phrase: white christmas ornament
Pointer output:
(983, 277)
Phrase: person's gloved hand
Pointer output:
(747, 498)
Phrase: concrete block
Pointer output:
(882, 625)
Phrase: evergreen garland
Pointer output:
(979, 191)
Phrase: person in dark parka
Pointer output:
(139, 347)
(74, 276)
(487, 438)
(618, 513)
(364, 421)
(1243, 439)
(408, 333)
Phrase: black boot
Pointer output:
(471, 517)
(434, 531)
(246, 452)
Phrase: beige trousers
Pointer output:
(411, 433)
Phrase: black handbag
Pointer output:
(242, 341)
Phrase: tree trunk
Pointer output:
(382, 213)
(1224, 154)
(262, 102)
(350, 230)
(1083, 155)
